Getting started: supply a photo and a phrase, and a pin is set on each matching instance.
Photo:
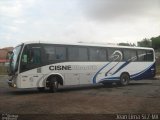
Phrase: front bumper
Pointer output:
(11, 82)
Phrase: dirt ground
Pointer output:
(138, 97)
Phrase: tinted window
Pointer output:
(50, 52)
(60, 53)
(83, 54)
(149, 56)
(31, 58)
(97, 54)
(141, 55)
(130, 55)
(55, 52)
(36, 54)
(77, 54)
(115, 54)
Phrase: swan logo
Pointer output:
(116, 56)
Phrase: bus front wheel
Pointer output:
(124, 79)
(53, 85)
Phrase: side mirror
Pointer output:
(9, 57)
(9, 54)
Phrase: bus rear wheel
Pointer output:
(124, 79)
(53, 85)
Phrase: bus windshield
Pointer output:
(14, 59)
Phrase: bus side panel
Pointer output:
(136, 70)
(86, 72)
(31, 79)
(147, 73)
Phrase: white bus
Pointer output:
(48, 65)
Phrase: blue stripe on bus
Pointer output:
(111, 78)
(122, 66)
(111, 69)
(94, 78)
(147, 73)
(141, 71)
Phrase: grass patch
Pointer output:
(158, 69)
(3, 70)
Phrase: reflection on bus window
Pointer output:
(141, 55)
(149, 55)
(130, 55)
(32, 56)
(97, 54)
(50, 52)
(77, 54)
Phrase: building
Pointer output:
(3, 54)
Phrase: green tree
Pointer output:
(145, 43)
(156, 42)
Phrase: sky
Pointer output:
(90, 21)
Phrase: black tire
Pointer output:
(53, 85)
(124, 79)
(41, 89)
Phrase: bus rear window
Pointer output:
(141, 55)
(149, 55)
(145, 55)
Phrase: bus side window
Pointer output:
(97, 54)
(50, 52)
(31, 58)
(24, 58)
(130, 55)
(115, 55)
(149, 55)
(141, 55)
(34, 56)
(60, 53)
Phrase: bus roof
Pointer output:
(87, 44)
